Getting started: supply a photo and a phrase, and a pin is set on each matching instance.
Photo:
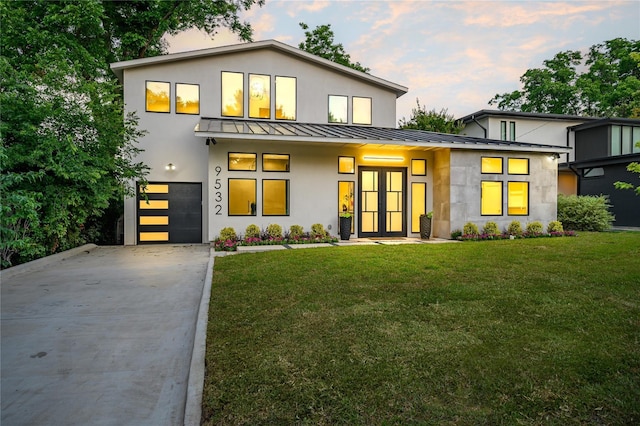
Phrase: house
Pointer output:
(262, 133)
(601, 151)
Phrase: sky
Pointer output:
(450, 54)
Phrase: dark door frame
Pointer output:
(382, 202)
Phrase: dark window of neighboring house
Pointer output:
(616, 140)
(636, 139)
(512, 130)
(593, 172)
(503, 130)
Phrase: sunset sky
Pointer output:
(450, 54)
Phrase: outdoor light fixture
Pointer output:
(554, 156)
(378, 158)
(170, 167)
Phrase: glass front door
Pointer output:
(382, 202)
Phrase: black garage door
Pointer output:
(170, 213)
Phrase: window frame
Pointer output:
(264, 169)
(175, 98)
(501, 204)
(492, 173)
(295, 98)
(287, 197)
(352, 184)
(255, 189)
(268, 76)
(222, 93)
(353, 160)
(346, 98)
(146, 103)
(512, 131)
(417, 160)
(509, 197)
(414, 204)
(353, 110)
(241, 170)
(518, 174)
(503, 130)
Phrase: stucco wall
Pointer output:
(442, 194)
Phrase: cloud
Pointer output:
(294, 8)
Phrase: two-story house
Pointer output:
(262, 133)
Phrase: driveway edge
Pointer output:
(195, 386)
(43, 262)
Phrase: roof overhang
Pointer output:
(217, 129)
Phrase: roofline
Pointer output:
(605, 121)
(119, 67)
(500, 113)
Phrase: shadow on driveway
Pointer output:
(101, 338)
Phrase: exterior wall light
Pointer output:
(554, 156)
(377, 158)
(170, 167)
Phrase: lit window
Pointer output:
(491, 198)
(346, 165)
(518, 198)
(491, 165)
(158, 95)
(361, 110)
(232, 94)
(275, 197)
(338, 109)
(518, 166)
(242, 161)
(418, 204)
(285, 98)
(512, 130)
(275, 162)
(503, 130)
(345, 199)
(187, 98)
(259, 96)
(242, 197)
(418, 167)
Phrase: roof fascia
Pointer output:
(488, 113)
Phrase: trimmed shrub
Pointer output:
(555, 226)
(252, 231)
(455, 234)
(317, 231)
(274, 230)
(228, 233)
(515, 228)
(296, 231)
(470, 229)
(534, 227)
(491, 228)
(585, 212)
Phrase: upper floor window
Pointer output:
(157, 96)
(285, 98)
(361, 110)
(338, 109)
(512, 130)
(259, 96)
(187, 98)
(232, 94)
(624, 139)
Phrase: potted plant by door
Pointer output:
(345, 225)
(425, 225)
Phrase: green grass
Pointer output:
(538, 331)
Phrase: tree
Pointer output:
(320, 42)
(67, 152)
(632, 168)
(610, 86)
(432, 121)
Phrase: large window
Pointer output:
(491, 165)
(285, 98)
(244, 161)
(518, 166)
(259, 96)
(346, 198)
(361, 110)
(275, 197)
(624, 139)
(232, 94)
(158, 96)
(242, 197)
(187, 98)
(491, 198)
(275, 162)
(518, 198)
(338, 109)
(418, 204)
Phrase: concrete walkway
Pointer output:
(101, 338)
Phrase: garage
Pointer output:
(169, 213)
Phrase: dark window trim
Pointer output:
(249, 96)
(277, 171)
(287, 207)
(528, 197)
(329, 106)
(354, 165)
(275, 98)
(501, 182)
(255, 182)
(353, 110)
(175, 98)
(425, 166)
(353, 212)
(145, 96)
(244, 92)
(424, 184)
(503, 130)
(229, 169)
(512, 130)
(519, 174)
(492, 173)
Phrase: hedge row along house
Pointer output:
(262, 133)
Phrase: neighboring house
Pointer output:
(262, 133)
(601, 151)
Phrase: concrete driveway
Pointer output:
(101, 338)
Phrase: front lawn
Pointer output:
(539, 331)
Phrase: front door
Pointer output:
(382, 206)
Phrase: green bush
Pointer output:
(555, 226)
(228, 233)
(470, 229)
(585, 212)
(514, 228)
(252, 231)
(295, 231)
(491, 228)
(534, 227)
(274, 230)
(317, 230)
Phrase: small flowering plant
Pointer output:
(294, 236)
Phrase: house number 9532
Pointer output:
(217, 185)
